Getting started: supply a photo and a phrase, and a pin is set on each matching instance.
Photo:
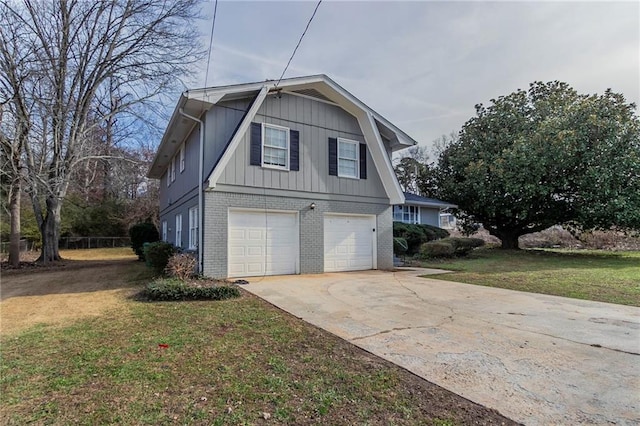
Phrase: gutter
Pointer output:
(200, 191)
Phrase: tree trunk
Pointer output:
(50, 231)
(14, 213)
(509, 241)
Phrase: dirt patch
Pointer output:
(63, 294)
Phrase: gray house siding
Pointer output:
(187, 180)
(182, 193)
(317, 122)
(220, 123)
(217, 204)
(182, 207)
(429, 216)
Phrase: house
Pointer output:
(265, 179)
(423, 210)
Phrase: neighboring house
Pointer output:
(423, 210)
(448, 221)
(266, 180)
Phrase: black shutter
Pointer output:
(256, 144)
(363, 161)
(294, 150)
(333, 157)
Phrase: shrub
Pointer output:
(169, 289)
(141, 233)
(181, 266)
(436, 249)
(462, 246)
(157, 255)
(416, 235)
(399, 246)
(449, 247)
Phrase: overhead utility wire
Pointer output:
(213, 26)
(299, 41)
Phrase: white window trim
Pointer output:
(416, 216)
(357, 159)
(164, 230)
(172, 169)
(193, 228)
(178, 230)
(287, 132)
(182, 158)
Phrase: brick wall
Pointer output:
(216, 205)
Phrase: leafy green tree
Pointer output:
(546, 156)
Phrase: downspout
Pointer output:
(200, 192)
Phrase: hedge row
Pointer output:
(449, 247)
(169, 289)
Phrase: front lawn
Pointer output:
(238, 361)
(603, 276)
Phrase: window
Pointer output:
(193, 228)
(172, 170)
(406, 214)
(168, 177)
(348, 158)
(178, 230)
(447, 221)
(164, 230)
(275, 147)
(182, 159)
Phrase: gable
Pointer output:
(316, 122)
(380, 136)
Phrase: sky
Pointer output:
(424, 65)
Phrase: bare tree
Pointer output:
(79, 50)
(15, 120)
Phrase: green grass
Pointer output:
(612, 277)
(226, 363)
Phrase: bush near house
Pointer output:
(416, 235)
(181, 266)
(140, 233)
(449, 247)
(157, 255)
(173, 289)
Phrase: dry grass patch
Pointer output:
(117, 253)
(62, 296)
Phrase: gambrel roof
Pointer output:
(379, 133)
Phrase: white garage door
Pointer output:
(348, 243)
(262, 243)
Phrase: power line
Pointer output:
(299, 41)
(213, 26)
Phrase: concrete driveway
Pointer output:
(537, 359)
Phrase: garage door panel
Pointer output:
(237, 251)
(348, 243)
(262, 243)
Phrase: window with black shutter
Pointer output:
(347, 158)
(274, 147)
